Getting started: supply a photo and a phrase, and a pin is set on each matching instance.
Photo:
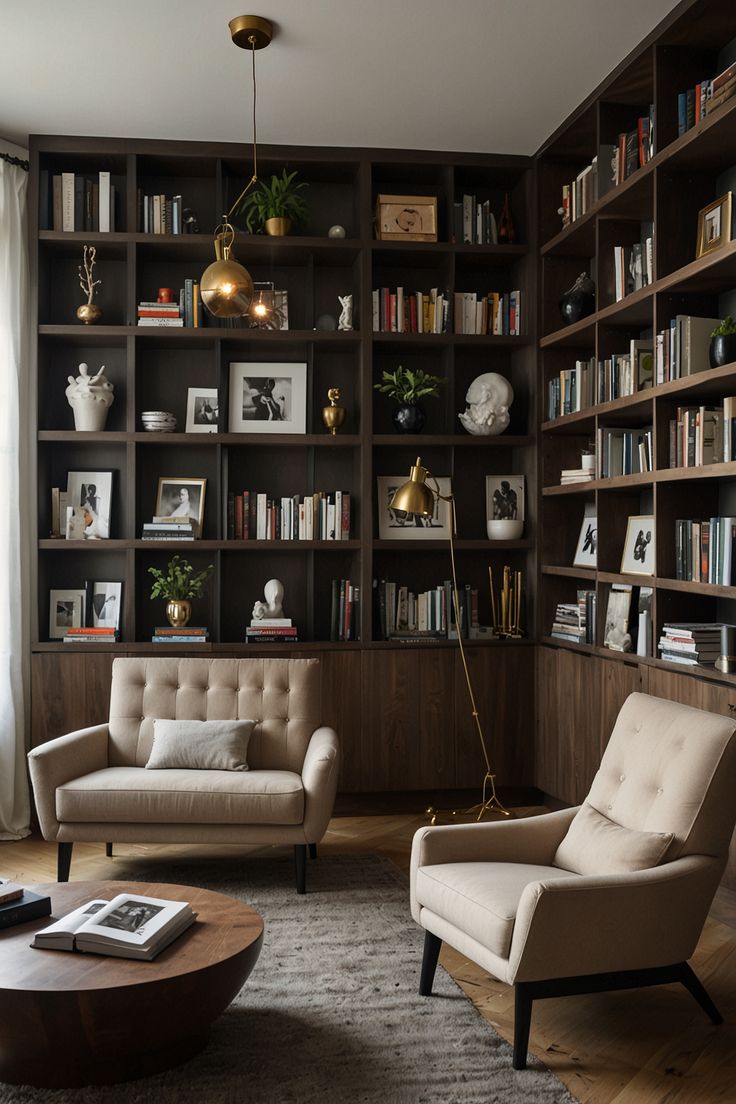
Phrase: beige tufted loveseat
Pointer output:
(93, 784)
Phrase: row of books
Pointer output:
(72, 201)
(703, 435)
(682, 348)
(185, 634)
(186, 310)
(495, 313)
(402, 311)
(624, 451)
(403, 614)
(613, 163)
(254, 515)
(704, 550)
(473, 222)
(91, 635)
(695, 103)
(690, 644)
(633, 265)
(593, 381)
(159, 214)
(575, 621)
(344, 610)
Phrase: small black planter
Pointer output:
(722, 350)
(409, 418)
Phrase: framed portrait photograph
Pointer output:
(202, 410)
(586, 552)
(66, 611)
(106, 603)
(398, 525)
(181, 497)
(406, 218)
(268, 398)
(504, 497)
(90, 497)
(639, 555)
(616, 635)
(714, 225)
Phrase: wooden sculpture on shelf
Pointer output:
(507, 613)
(89, 312)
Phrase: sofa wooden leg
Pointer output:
(523, 1001)
(108, 850)
(63, 862)
(695, 987)
(313, 850)
(300, 863)
(432, 946)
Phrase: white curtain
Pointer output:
(16, 497)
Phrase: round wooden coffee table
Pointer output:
(69, 1019)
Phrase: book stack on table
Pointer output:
(18, 904)
(272, 630)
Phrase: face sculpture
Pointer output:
(488, 400)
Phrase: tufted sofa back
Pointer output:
(670, 768)
(282, 695)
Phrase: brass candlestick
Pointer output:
(509, 604)
(333, 415)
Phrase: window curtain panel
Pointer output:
(17, 502)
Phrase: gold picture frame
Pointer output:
(406, 218)
(714, 225)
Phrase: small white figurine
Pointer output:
(90, 397)
(346, 314)
(489, 398)
(273, 607)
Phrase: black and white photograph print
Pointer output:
(181, 498)
(639, 547)
(398, 525)
(106, 601)
(586, 553)
(66, 611)
(90, 493)
(268, 398)
(616, 635)
(504, 497)
(131, 916)
(202, 410)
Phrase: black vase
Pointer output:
(409, 418)
(722, 350)
(579, 300)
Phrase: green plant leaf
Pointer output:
(406, 386)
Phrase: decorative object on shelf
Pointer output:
(504, 506)
(488, 399)
(579, 300)
(506, 230)
(226, 286)
(326, 323)
(586, 552)
(90, 496)
(394, 523)
(333, 415)
(89, 313)
(506, 613)
(90, 398)
(179, 585)
(345, 321)
(406, 387)
(66, 611)
(183, 498)
(406, 218)
(273, 607)
(269, 308)
(616, 635)
(587, 459)
(714, 225)
(190, 221)
(158, 421)
(723, 343)
(639, 555)
(165, 295)
(726, 662)
(336, 231)
(275, 207)
(418, 497)
(203, 410)
(268, 398)
(104, 603)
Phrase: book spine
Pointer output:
(23, 911)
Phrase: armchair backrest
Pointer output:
(670, 768)
(282, 695)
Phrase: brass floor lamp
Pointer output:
(417, 496)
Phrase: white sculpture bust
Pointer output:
(90, 397)
(489, 398)
(273, 607)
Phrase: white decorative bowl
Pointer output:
(505, 529)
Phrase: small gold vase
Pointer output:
(89, 313)
(278, 227)
(178, 612)
(333, 415)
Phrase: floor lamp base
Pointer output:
(489, 805)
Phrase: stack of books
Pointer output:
(159, 314)
(690, 643)
(187, 634)
(168, 528)
(272, 630)
(345, 610)
(18, 905)
(576, 475)
(89, 635)
(569, 623)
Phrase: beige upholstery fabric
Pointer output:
(200, 745)
(596, 845)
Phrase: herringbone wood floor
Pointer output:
(651, 1046)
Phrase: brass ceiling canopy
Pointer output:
(251, 32)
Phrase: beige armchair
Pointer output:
(613, 895)
(93, 784)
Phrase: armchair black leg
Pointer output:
(63, 862)
(523, 1001)
(313, 850)
(300, 863)
(432, 944)
(695, 987)
(108, 850)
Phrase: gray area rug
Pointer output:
(331, 1011)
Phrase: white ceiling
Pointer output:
(473, 75)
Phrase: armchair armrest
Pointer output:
(600, 924)
(319, 778)
(58, 761)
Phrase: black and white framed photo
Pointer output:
(268, 398)
(66, 611)
(398, 525)
(639, 547)
(90, 494)
(616, 635)
(181, 497)
(504, 497)
(202, 410)
(586, 553)
(106, 603)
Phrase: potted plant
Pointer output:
(723, 343)
(275, 207)
(407, 387)
(178, 585)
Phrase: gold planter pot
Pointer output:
(178, 612)
(89, 313)
(277, 227)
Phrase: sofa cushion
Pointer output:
(596, 845)
(200, 745)
(480, 898)
(143, 796)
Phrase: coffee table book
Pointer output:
(28, 907)
(128, 926)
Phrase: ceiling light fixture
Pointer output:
(226, 286)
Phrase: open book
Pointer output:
(127, 927)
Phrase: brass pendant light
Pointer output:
(226, 286)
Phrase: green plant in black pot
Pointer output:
(723, 343)
(276, 206)
(407, 387)
(178, 584)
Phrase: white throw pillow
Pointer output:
(200, 745)
(596, 845)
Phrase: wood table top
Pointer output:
(224, 929)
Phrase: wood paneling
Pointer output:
(342, 709)
(68, 692)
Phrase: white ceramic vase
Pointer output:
(90, 397)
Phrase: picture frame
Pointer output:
(616, 635)
(66, 611)
(181, 497)
(203, 410)
(586, 550)
(396, 525)
(268, 398)
(505, 498)
(714, 225)
(90, 492)
(106, 603)
(406, 218)
(639, 554)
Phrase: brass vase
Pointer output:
(277, 227)
(333, 415)
(89, 313)
(178, 612)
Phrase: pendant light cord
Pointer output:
(254, 178)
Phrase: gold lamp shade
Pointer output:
(414, 496)
(226, 287)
